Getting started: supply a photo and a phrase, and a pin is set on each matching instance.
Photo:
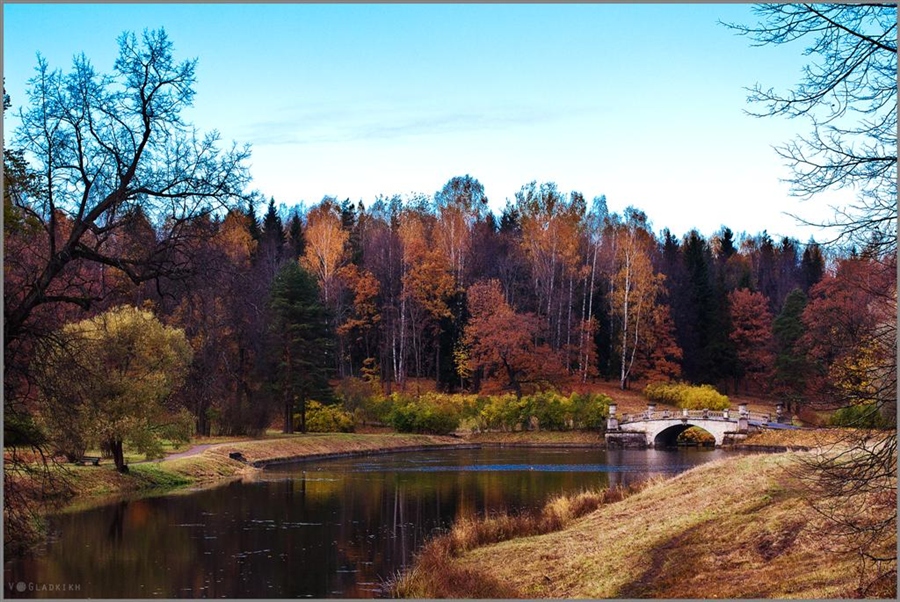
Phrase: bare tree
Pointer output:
(849, 95)
(95, 155)
(103, 146)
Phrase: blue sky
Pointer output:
(642, 103)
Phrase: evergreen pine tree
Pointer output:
(272, 228)
(302, 343)
(812, 265)
(253, 222)
(296, 241)
(708, 353)
(790, 362)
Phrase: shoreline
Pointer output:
(212, 466)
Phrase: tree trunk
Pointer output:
(569, 327)
(623, 372)
(513, 380)
(202, 423)
(288, 393)
(590, 311)
(115, 446)
(303, 415)
(400, 376)
(288, 414)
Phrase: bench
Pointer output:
(95, 460)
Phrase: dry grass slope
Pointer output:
(736, 528)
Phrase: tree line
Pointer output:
(553, 292)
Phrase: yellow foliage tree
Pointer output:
(108, 378)
(326, 243)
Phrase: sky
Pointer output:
(645, 104)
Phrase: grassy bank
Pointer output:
(823, 438)
(736, 528)
(214, 464)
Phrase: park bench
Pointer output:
(95, 460)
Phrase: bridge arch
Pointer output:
(668, 436)
(665, 431)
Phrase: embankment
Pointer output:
(215, 464)
(735, 528)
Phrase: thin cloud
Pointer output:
(329, 126)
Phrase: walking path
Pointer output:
(192, 451)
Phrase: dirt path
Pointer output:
(189, 452)
(192, 451)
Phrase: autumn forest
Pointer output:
(555, 290)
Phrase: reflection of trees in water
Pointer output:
(134, 547)
(328, 529)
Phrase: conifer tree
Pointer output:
(790, 362)
(812, 265)
(302, 343)
(296, 241)
(273, 229)
(253, 222)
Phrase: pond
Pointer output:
(334, 528)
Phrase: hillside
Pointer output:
(737, 528)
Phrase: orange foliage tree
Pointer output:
(851, 335)
(501, 344)
(751, 333)
(636, 291)
(326, 243)
(427, 279)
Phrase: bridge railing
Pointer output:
(678, 414)
(691, 414)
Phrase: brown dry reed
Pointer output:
(435, 575)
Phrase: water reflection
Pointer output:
(336, 528)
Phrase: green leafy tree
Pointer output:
(302, 343)
(92, 148)
(106, 381)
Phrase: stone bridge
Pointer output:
(652, 427)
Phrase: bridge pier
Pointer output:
(625, 440)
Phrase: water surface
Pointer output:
(335, 528)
